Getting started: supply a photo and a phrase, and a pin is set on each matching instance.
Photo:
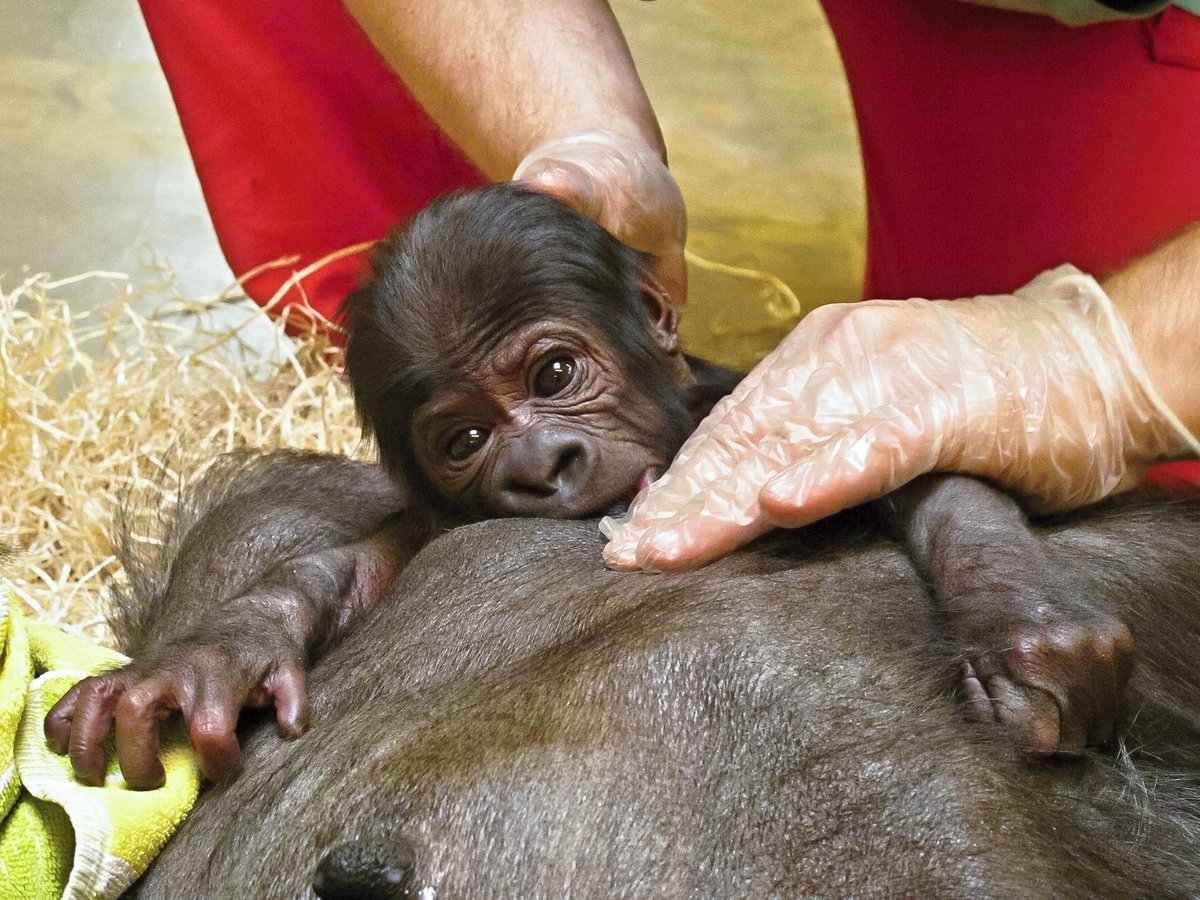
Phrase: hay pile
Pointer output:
(129, 396)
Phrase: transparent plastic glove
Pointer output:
(624, 185)
(1041, 392)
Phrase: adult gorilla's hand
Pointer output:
(624, 185)
(1040, 391)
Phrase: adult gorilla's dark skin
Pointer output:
(534, 308)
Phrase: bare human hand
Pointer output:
(209, 682)
(1040, 392)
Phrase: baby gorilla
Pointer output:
(512, 358)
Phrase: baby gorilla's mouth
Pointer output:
(648, 478)
(620, 504)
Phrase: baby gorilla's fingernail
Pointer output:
(152, 780)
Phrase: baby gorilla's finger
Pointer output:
(138, 715)
(1073, 732)
(1108, 687)
(1029, 713)
(1076, 689)
(212, 725)
(1095, 708)
(286, 685)
(1082, 665)
(95, 703)
(978, 701)
(1107, 697)
(57, 726)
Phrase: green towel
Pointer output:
(60, 838)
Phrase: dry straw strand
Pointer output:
(102, 402)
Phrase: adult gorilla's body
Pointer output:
(781, 724)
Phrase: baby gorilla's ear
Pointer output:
(664, 317)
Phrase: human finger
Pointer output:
(625, 186)
(705, 507)
(872, 458)
(768, 475)
(686, 543)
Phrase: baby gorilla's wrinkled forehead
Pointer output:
(544, 425)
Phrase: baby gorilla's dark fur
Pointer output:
(448, 292)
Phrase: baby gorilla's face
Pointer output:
(544, 424)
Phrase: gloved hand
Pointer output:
(624, 185)
(1040, 391)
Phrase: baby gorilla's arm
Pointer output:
(1040, 657)
(274, 559)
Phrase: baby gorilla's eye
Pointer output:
(554, 376)
(466, 443)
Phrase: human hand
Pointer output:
(208, 681)
(624, 185)
(1040, 392)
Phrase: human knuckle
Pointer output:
(878, 317)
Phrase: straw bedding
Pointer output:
(124, 397)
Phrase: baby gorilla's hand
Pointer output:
(208, 681)
(1052, 673)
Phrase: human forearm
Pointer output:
(503, 76)
(1158, 297)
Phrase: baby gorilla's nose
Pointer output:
(546, 472)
